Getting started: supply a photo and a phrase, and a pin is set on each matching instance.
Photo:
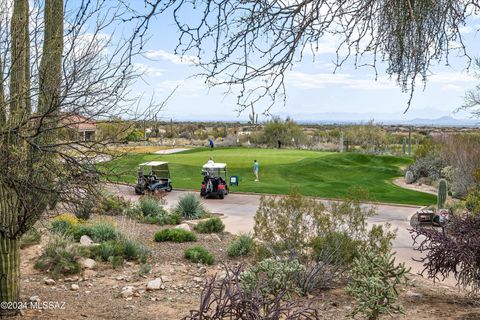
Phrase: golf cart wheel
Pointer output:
(169, 188)
(139, 190)
(221, 195)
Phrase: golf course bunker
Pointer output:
(170, 151)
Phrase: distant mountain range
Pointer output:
(420, 117)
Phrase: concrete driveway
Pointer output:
(239, 211)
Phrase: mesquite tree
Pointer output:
(256, 42)
(62, 65)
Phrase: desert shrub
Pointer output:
(429, 166)
(190, 207)
(199, 254)
(134, 212)
(226, 299)
(113, 205)
(336, 247)
(175, 218)
(99, 231)
(31, 237)
(175, 235)
(277, 276)
(324, 238)
(452, 251)
(64, 224)
(84, 209)
(212, 225)
(125, 248)
(373, 284)
(151, 207)
(60, 256)
(472, 202)
(241, 246)
(116, 261)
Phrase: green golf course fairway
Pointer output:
(321, 174)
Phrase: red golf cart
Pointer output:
(214, 180)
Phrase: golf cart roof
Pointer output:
(153, 163)
(212, 165)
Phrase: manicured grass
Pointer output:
(322, 174)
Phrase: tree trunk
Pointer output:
(9, 272)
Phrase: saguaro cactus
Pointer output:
(20, 209)
(442, 193)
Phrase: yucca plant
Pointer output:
(190, 207)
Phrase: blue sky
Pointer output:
(312, 89)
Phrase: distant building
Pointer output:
(80, 127)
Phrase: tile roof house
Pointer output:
(82, 127)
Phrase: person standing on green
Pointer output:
(255, 169)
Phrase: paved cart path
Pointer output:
(239, 210)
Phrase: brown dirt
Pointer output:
(98, 295)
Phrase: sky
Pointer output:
(313, 91)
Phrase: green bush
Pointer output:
(374, 282)
(190, 207)
(213, 225)
(64, 224)
(336, 247)
(84, 209)
(59, 256)
(113, 205)
(472, 202)
(99, 231)
(125, 248)
(199, 254)
(175, 218)
(175, 235)
(151, 207)
(241, 246)
(33, 236)
(275, 275)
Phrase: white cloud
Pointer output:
(149, 70)
(450, 77)
(452, 87)
(345, 80)
(173, 58)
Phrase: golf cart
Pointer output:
(214, 180)
(429, 217)
(153, 176)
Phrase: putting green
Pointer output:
(322, 174)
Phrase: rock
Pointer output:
(119, 278)
(88, 273)
(74, 287)
(34, 299)
(87, 263)
(412, 294)
(202, 270)
(127, 292)
(166, 279)
(183, 226)
(136, 294)
(155, 284)
(198, 279)
(86, 240)
(71, 279)
(49, 282)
